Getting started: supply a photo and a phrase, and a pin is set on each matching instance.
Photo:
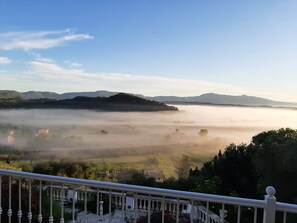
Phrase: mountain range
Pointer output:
(209, 98)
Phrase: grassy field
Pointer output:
(163, 158)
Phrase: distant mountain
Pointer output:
(68, 95)
(210, 98)
(221, 99)
(40, 94)
(118, 102)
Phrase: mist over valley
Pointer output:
(136, 138)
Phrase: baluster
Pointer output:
(101, 209)
(109, 207)
(39, 218)
(238, 214)
(30, 201)
(0, 198)
(144, 204)
(223, 213)
(135, 208)
(85, 209)
(152, 205)
(62, 204)
(73, 205)
(53, 193)
(191, 214)
(255, 215)
(201, 214)
(207, 211)
(140, 203)
(51, 218)
(116, 201)
(136, 202)
(123, 207)
(169, 206)
(149, 209)
(97, 205)
(285, 217)
(20, 201)
(163, 209)
(120, 201)
(58, 192)
(78, 195)
(177, 210)
(9, 212)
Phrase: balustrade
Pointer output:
(34, 197)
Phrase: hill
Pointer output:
(220, 99)
(118, 102)
(10, 94)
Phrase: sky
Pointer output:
(150, 47)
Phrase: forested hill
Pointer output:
(118, 102)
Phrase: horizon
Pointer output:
(151, 48)
(119, 92)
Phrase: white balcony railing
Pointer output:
(29, 197)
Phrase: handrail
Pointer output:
(285, 207)
(138, 189)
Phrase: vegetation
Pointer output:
(203, 132)
(11, 94)
(183, 167)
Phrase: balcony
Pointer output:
(29, 197)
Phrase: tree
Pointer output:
(183, 167)
(203, 132)
(275, 161)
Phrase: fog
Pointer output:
(82, 129)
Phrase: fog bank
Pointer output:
(69, 129)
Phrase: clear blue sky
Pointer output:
(152, 47)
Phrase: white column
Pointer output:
(269, 212)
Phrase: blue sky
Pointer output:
(150, 47)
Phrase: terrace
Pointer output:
(29, 197)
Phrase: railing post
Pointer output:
(269, 212)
